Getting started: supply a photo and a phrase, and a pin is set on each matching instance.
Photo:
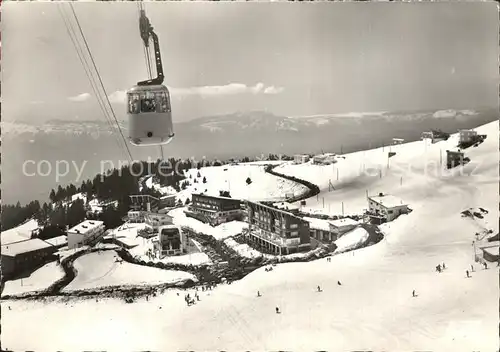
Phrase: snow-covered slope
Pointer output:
(373, 309)
(40, 279)
(233, 178)
(100, 269)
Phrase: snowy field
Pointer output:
(100, 269)
(414, 174)
(233, 178)
(219, 232)
(373, 309)
(39, 280)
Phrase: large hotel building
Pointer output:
(278, 231)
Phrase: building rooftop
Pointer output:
(493, 248)
(286, 206)
(85, 226)
(57, 241)
(19, 233)
(215, 197)
(27, 246)
(388, 201)
(318, 224)
(344, 222)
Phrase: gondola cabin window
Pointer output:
(147, 102)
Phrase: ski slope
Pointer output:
(100, 269)
(233, 178)
(373, 309)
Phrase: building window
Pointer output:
(294, 226)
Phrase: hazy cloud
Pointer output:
(80, 97)
(273, 90)
(209, 91)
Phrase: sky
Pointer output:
(287, 58)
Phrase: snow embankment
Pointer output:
(351, 240)
(104, 269)
(41, 279)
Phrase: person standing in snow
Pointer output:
(485, 265)
(413, 293)
(338, 283)
(258, 293)
(467, 273)
(444, 266)
(277, 310)
(319, 289)
(472, 268)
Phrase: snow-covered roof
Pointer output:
(19, 233)
(344, 222)
(215, 197)
(388, 201)
(85, 226)
(492, 248)
(78, 196)
(318, 224)
(57, 241)
(168, 196)
(14, 249)
(286, 206)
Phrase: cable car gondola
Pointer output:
(149, 111)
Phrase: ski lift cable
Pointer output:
(88, 72)
(100, 81)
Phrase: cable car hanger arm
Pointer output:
(146, 31)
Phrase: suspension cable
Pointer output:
(100, 81)
(88, 72)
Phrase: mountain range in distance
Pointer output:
(252, 133)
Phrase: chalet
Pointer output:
(301, 158)
(320, 230)
(341, 226)
(385, 208)
(454, 158)
(324, 159)
(435, 136)
(467, 136)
